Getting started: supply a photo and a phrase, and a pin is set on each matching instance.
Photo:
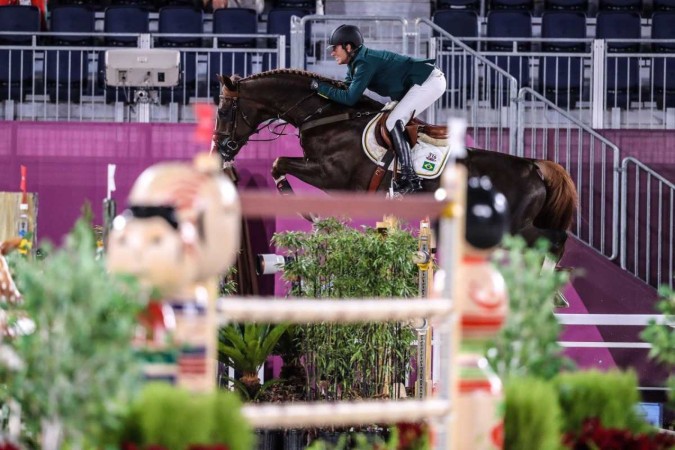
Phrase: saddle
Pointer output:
(413, 129)
(416, 130)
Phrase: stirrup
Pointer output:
(408, 185)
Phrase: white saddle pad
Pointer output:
(429, 155)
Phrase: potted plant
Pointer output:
(169, 418)
(334, 260)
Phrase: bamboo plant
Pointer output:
(335, 260)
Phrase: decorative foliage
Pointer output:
(662, 337)
(611, 397)
(402, 436)
(169, 418)
(337, 261)
(528, 345)
(245, 347)
(78, 365)
(532, 415)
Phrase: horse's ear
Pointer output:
(227, 82)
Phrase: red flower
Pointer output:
(8, 446)
(594, 435)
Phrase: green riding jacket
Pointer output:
(386, 73)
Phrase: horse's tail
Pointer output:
(561, 197)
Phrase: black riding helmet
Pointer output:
(487, 214)
(346, 34)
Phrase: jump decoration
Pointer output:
(483, 307)
(180, 232)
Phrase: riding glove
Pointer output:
(314, 85)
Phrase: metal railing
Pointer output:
(546, 131)
(39, 81)
(647, 224)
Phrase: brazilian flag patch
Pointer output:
(428, 165)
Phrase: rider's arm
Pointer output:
(363, 73)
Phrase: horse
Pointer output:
(541, 194)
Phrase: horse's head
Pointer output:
(233, 124)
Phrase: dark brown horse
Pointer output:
(541, 194)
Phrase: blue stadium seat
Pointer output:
(622, 73)
(181, 20)
(527, 5)
(455, 62)
(125, 19)
(620, 5)
(16, 66)
(663, 5)
(150, 5)
(299, 4)
(96, 5)
(566, 5)
(279, 22)
(561, 77)
(511, 25)
(457, 4)
(663, 68)
(232, 21)
(66, 70)
(235, 21)
(459, 23)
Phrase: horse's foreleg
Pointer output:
(557, 240)
(308, 171)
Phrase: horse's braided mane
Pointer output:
(303, 73)
(367, 102)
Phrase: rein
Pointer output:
(334, 118)
(305, 124)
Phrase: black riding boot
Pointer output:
(408, 181)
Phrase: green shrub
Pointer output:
(175, 418)
(527, 344)
(662, 338)
(532, 417)
(610, 397)
(78, 369)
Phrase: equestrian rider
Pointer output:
(415, 83)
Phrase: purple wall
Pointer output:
(67, 165)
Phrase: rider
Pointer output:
(415, 83)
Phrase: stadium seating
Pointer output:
(66, 70)
(509, 25)
(16, 65)
(622, 73)
(560, 77)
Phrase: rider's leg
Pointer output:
(416, 100)
(408, 181)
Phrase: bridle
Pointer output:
(230, 118)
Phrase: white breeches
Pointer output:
(418, 98)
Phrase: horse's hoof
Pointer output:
(560, 301)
